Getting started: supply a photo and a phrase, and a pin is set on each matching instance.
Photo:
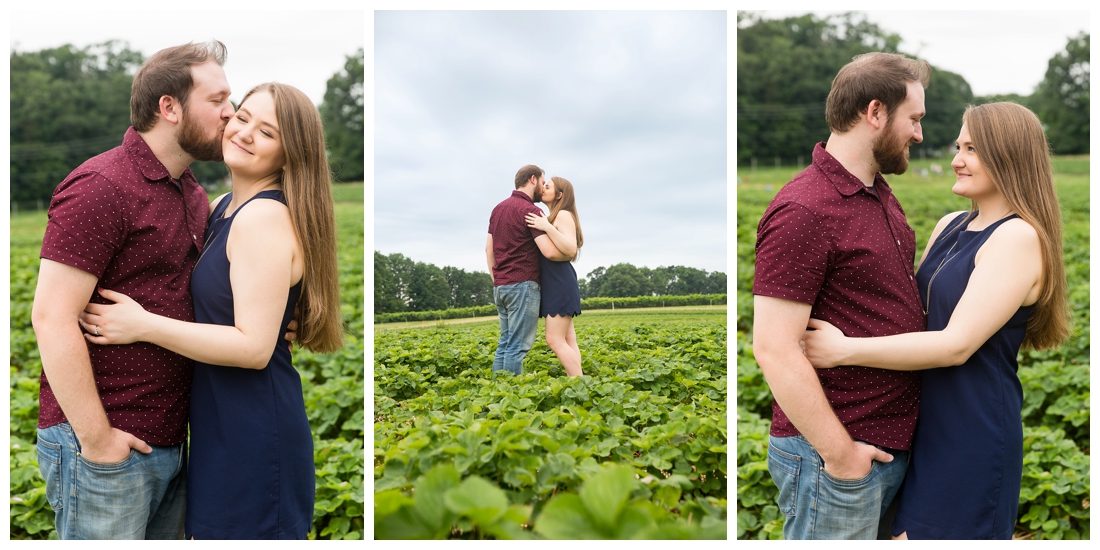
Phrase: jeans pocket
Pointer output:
(851, 483)
(49, 466)
(111, 467)
(785, 469)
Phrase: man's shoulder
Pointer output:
(514, 204)
(807, 188)
(107, 167)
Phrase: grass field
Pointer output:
(636, 448)
(593, 317)
(1054, 500)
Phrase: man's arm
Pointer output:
(61, 295)
(778, 325)
(490, 259)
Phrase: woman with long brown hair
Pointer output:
(561, 299)
(270, 246)
(992, 280)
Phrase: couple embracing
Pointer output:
(915, 408)
(189, 303)
(529, 257)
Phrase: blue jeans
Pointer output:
(822, 507)
(518, 308)
(142, 497)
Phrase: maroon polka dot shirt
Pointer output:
(828, 241)
(514, 247)
(120, 217)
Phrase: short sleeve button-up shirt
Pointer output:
(514, 248)
(848, 251)
(121, 217)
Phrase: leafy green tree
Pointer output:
(342, 114)
(468, 289)
(716, 283)
(945, 99)
(624, 280)
(394, 272)
(591, 286)
(428, 288)
(67, 104)
(400, 284)
(785, 68)
(1062, 99)
(386, 290)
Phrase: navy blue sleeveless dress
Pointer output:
(560, 295)
(250, 471)
(963, 480)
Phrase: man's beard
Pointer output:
(890, 152)
(193, 141)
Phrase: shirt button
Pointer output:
(194, 237)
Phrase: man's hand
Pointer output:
(292, 330)
(856, 463)
(113, 447)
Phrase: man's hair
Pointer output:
(168, 73)
(526, 173)
(870, 76)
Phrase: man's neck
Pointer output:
(167, 150)
(529, 191)
(854, 154)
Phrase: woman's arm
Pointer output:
(561, 242)
(1006, 276)
(262, 248)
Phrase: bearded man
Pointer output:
(112, 423)
(834, 244)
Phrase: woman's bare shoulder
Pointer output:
(564, 217)
(214, 203)
(262, 220)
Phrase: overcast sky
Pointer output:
(997, 52)
(628, 106)
(300, 48)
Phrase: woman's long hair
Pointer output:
(307, 186)
(568, 203)
(1012, 147)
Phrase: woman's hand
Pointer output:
(538, 222)
(824, 346)
(119, 323)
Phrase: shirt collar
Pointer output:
(846, 183)
(150, 166)
(520, 194)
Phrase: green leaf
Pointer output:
(477, 499)
(430, 489)
(605, 494)
(565, 517)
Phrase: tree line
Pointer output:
(402, 284)
(785, 68)
(69, 104)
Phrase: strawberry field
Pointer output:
(1055, 489)
(332, 383)
(634, 449)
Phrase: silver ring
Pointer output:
(97, 330)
